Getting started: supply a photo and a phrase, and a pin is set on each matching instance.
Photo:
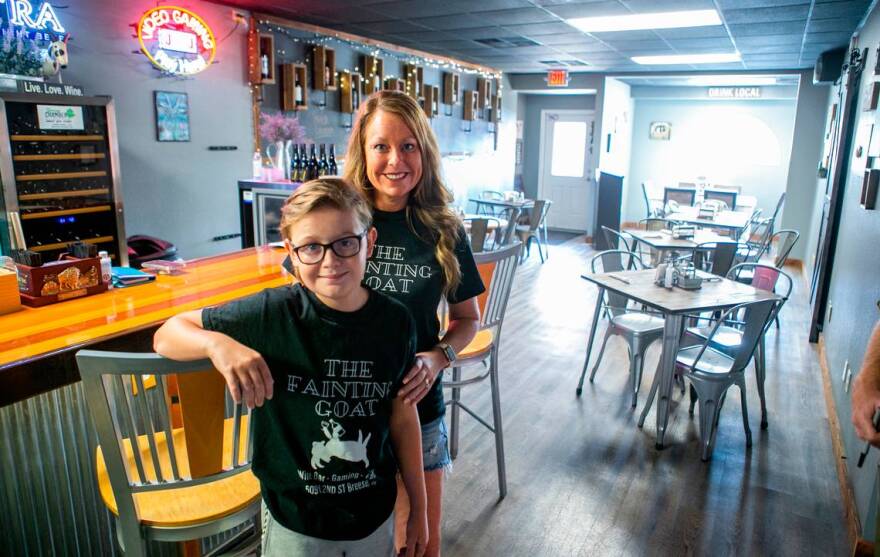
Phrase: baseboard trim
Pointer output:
(796, 263)
(853, 524)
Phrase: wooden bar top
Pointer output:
(37, 333)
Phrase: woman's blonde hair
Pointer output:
(429, 201)
(335, 193)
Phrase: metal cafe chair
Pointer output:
(650, 210)
(729, 335)
(497, 269)
(785, 241)
(718, 257)
(712, 372)
(170, 470)
(778, 208)
(726, 196)
(638, 328)
(533, 230)
(682, 196)
(617, 240)
(655, 224)
(489, 195)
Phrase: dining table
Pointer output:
(663, 240)
(715, 293)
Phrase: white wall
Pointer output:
(615, 139)
(745, 143)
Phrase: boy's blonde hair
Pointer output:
(335, 193)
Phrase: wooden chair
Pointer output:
(478, 230)
(682, 196)
(199, 483)
(497, 269)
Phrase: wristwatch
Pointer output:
(448, 351)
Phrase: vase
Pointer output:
(275, 152)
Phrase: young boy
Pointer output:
(327, 445)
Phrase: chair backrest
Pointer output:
(214, 441)
(765, 277)
(784, 240)
(749, 227)
(614, 239)
(682, 196)
(479, 227)
(539, 213)
(756, 316)
(737, 189)
(778, 206)
(653, 224)
(492, 195)
(612, 261)
(728, 197)
(497, 269)
(719, 255)
(648, 212)
(511, 214)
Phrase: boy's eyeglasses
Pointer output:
(313, 253)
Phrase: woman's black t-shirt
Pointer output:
(403, 266)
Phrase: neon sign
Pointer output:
(40, 24)
(176, 40)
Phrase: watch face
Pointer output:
(450, 353)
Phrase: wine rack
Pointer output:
(61, 176)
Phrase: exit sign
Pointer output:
(557, 78)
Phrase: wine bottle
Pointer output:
(301, 164)
(294, 163)
(332, 169)
(297, 93)
(313, 164)
(322, 161)
(264, 65)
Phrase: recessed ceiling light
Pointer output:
(687, 59)
(743, 80)
(659, 20)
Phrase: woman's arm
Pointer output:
(464, 322)
(406, 436)
(183, 337)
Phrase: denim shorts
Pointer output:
(435, 446)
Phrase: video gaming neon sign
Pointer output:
(21, 14)
(176, 40)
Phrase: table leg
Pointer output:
(599, 297)
(671, 335)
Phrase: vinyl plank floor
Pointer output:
(584, 480)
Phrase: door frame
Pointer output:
(585, 111)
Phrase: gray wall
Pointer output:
(178, 191)
(800, 191)
(532, 105)
(854, 291)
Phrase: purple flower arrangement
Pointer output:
(277, 126)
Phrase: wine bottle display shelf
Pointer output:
(60, 194)
(57, 137)
(62, 245)
(60, 175)
(69, 157)
(80, 211)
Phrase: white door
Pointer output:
(566, 167)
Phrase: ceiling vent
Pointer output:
(508, 42)
(562, 63)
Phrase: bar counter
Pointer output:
(48, 491)
(36, 344)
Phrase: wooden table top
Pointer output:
(524, 204)
(37, 332)
(718, 294)
(663, 240)
(723, 219)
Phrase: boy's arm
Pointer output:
(183, 337)
(406, 436)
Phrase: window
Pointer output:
(569, 149)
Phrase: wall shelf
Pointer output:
(415, 79)
(267, 49)
(374, 73)
(294, 87)
(470, 105)
(451, 88)
(324, 68)
(392, 84)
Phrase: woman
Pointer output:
(421, 255)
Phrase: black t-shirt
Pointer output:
(403, 266)
(322, 446)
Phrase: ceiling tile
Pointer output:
(700, 44)
(652, 44)
(463, 21)
(396, 27)
(480, 33)
(766, 15)
(407, 9)
(854, 8)
(566, 39)
(693, 32)
(847, 24)
(836, 37)
(626, 36)
(588, 9)
(582, 49)
(540, 29)
(642, 6)
(518, 16)
(489, 5)
(780, 27)
(426, 35)
(761, 40)
(770, 49)
(738, 4)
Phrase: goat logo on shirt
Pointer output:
(352, 451)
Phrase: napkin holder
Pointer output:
(683, 231)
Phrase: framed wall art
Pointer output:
(172, 116)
